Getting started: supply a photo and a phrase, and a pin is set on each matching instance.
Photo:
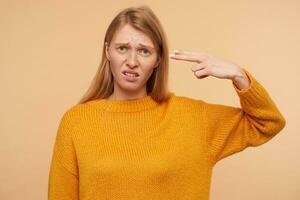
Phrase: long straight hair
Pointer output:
(142, 18)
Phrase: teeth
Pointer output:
(130, 74)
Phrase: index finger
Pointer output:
(189, 56)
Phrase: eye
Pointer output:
(120, 49)
(145, 51)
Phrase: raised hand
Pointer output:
(209, 65)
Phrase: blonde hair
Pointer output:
(143, 19)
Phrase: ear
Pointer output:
(157, 62)
(106, 51)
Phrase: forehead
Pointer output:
(128, 34)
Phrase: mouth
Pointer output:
(130, 74)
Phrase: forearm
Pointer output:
(233, 129)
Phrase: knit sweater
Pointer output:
(140, 149)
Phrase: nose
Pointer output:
(132, 59)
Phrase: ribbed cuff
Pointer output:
(254, 96)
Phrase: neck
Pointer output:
(123, 96)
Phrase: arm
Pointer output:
(233, 129)
(230, 129)
(63, 174)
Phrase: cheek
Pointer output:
(148, 68)
(117, 59)
(116, 63)
(148, 65)
(148, 62)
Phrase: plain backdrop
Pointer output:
(50, 51)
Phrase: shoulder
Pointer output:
(73, 113)
(191, 103)
(188, 102)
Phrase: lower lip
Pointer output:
(131, 78)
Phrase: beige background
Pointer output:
(50, 50)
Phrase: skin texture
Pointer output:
(133, 57)
(209, 65)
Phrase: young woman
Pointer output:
(130, 138)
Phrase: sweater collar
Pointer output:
(133, 105)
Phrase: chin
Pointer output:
(129, 85)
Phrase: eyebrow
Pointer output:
(143, 45)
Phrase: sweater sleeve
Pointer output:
(232, 129)
(63, 174)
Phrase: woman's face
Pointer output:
(133, 51)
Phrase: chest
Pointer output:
(157, 154)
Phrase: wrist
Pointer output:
(241, 80)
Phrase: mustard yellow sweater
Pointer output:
(139, 149)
